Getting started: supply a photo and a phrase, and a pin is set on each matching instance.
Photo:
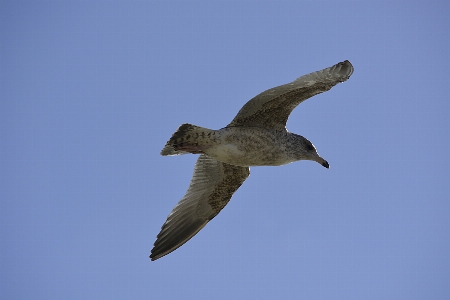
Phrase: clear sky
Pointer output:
(91, 91)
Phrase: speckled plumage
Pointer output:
(257, 136)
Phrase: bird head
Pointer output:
(305, 150)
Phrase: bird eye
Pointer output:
(310, 147)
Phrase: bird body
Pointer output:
(254, 146)
(257, 136)
(241, 146)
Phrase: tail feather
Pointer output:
(187, 139)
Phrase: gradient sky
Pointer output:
(90, 92)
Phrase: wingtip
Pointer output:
(153, 258)
(346, 69)
(157, 254)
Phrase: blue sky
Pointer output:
(91, 91)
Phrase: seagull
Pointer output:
(257, 136)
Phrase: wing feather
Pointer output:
(271, 108)
(212, 186)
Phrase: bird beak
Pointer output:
(323, 162)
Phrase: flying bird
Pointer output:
(257, 136)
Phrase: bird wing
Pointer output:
(212, 185)
(272, 108)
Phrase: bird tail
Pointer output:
(188, 139)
